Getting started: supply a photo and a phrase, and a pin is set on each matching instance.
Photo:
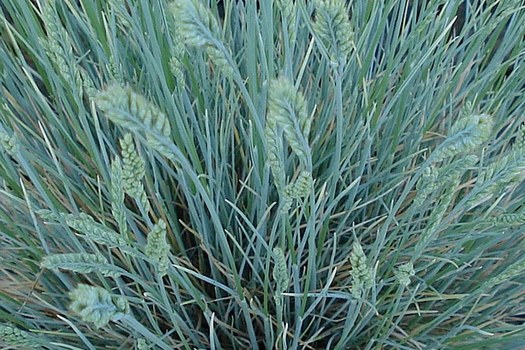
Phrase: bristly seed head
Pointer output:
(15, 337)
(131, 110)
(94, 304)
(333, 28)
(198, 27)
(157, 249)
(465, 136)
(9, 143)
(361, 272)
(280, 273)
(404, 273)
(80, 263)
(133, 171)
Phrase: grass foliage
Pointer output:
(278, 174)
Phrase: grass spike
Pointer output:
(132, 111)
(333, 28)
(95, 305)
(15, 337)
(133, 171)
(361, 272)
(87, 226)
(157, 248)
(465, 136)
(280, 274)
(404, 272)
(79, 263)
(200, 28)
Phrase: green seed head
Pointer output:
(157, 249)
(333, 28)
(404, 273)
(287, 109)
(9, 143)
(133, 171)
(94, 304)
(15, 337)
(361, 272)
(132, 111)
(280, 273)
(79, 262)
(465, 136)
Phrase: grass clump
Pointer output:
(185, 174)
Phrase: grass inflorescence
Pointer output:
(327, 174)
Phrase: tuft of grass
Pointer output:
(191, 174)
